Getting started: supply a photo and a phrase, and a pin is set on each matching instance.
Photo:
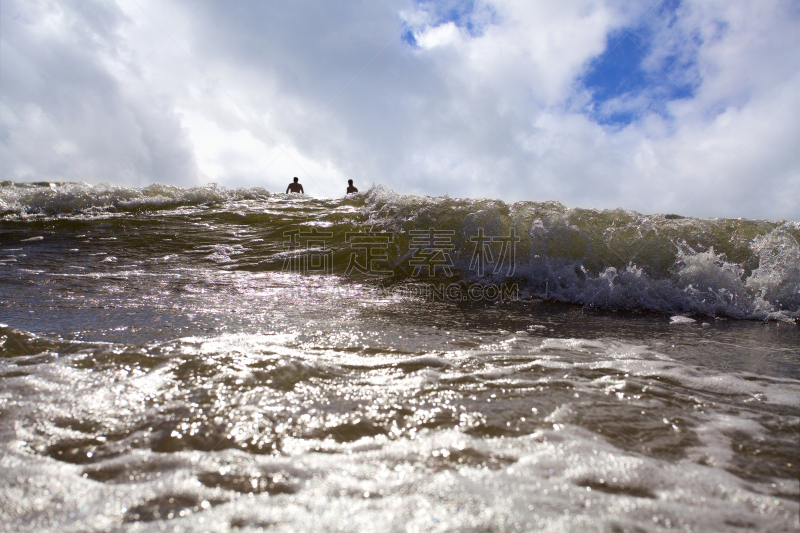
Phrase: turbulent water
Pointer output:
(208, 359)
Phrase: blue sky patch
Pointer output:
(456, 11)
(408, 38)
(627, 81)
(460, 12)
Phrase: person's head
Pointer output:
(295, 180)
(350, 182)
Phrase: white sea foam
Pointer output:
(614, 258)
(559, 477)
(554, 480)
(73, 198)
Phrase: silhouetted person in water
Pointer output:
(350, 187)
(295, 187)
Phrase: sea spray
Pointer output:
(615, 258)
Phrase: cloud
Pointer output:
(667, 106)
(61, 92)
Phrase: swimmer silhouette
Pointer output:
(350, 187)
(295, 187)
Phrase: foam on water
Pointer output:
(560, 477)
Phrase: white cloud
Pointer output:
(488, 103)
(442, 35)
(60, 92)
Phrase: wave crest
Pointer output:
(616, 259)
(82, 198)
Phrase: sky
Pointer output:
(689, 107)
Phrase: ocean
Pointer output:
(212, 359)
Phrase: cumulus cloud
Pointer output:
(667, 106)
(68, 116)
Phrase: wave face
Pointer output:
(614, 259)
(617, 258)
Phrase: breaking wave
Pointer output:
(614, 259)
(617, 258)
